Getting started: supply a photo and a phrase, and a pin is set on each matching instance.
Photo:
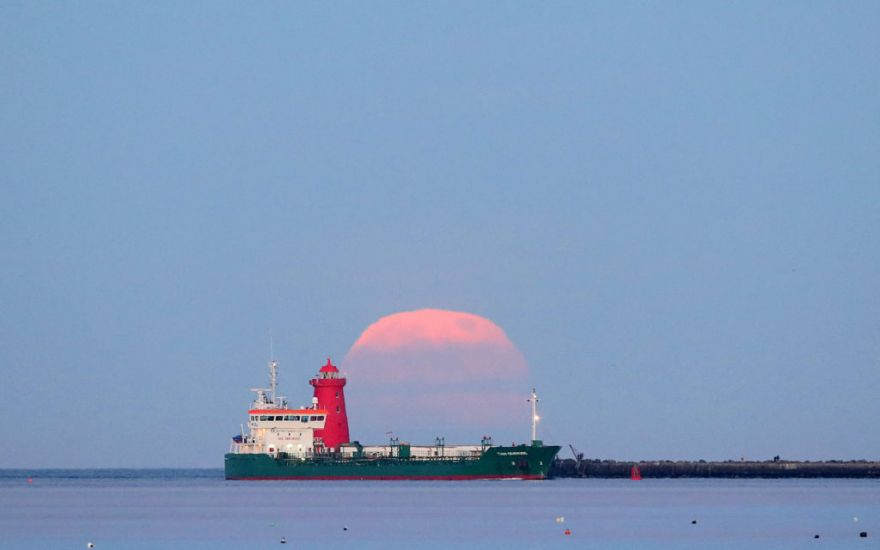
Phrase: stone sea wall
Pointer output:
(733, 469)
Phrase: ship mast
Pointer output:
(273, 377)
(534, 401)
(267, 398)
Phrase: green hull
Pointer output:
(519, 462)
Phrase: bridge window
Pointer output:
(262, 417)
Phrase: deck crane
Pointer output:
(578, 456)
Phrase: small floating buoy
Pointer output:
(567, 531)
(560, 519)
(90, 545)
(345, 528)
(863, 534)
(856, 519)
(693, 522)
(815, 536)
(283, 540)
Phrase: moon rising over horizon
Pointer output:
(431, 372)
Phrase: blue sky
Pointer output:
(673, 210)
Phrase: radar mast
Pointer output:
(534, 401)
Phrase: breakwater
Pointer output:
(730, 469)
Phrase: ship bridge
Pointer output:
(287, 418)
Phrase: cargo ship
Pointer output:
(313, 443)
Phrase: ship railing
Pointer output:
(459, 455)
(374, 458)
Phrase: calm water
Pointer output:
(198, 509)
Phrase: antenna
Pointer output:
(271, 346)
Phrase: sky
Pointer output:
(671, 210)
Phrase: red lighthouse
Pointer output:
(331, 398)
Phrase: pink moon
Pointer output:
(431, 372)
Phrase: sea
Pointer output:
(195, 509)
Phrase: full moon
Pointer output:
(432, 372)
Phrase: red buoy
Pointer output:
(635, 474)
(331, 398)
(567, 531)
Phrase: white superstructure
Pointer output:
(275, 428)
